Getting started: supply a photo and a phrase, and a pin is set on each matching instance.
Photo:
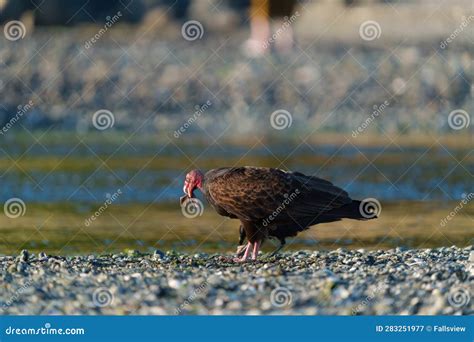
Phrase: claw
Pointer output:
(239, 260)
(247, 248)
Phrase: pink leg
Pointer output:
(256, 247)
(246, 254)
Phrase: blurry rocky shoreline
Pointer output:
(152, 79)
(340, 282)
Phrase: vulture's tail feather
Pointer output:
(352, 210)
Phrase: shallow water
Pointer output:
(64, 180)
(86, 171)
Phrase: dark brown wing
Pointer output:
(254, 194)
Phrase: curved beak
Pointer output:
(188, 193)
(188, 190)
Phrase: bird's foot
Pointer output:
(241, 250)
(250, 246)
(246, 251)
(240, 260)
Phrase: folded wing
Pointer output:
(253, 194)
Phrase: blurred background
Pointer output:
(105, 105)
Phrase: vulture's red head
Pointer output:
(193, 180)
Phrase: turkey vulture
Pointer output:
(271, 202)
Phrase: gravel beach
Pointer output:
(341, 282)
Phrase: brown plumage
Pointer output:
(271, 202)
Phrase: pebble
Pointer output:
(24, 256)
(158, 255)
(21, 267)
(378, 282)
